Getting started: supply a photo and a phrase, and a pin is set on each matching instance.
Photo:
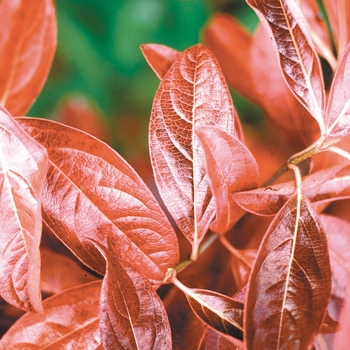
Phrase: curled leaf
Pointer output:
(290, 283)
(27, 46)
(23, 167)
(92, 193)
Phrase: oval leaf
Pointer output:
(91, 192)
(27, 47)
(298, 60)
(192, 93)
(132, 316)
(231, 168)
(69, 321)
(159, 57)
(290, 283)
(23, 167)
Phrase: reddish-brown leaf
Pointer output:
(132, 316)
(338, 106)
(290, 283)
(223, 35)
(27, 47)
(298, 60)
(192, 93)
(59, 272)
(159, 57)
(91, 192)
(69, 321)
(213, 340)
(81, 113)
(23, 167)
(230, 168)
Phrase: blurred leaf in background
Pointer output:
(98, 57)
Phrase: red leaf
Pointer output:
(59, 272)
(192, 93)
(230, 168)
(290, 283)
(69, 321)
(132, 315)
(91, 192)
(338, 106)
(81, 113)
(299, 63)
(23, 167)
(213, 340)
(159, 57)
(27, 47)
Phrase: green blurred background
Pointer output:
(98, 56)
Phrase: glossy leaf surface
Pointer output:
(91, 192)
(159, 57)
(132, 316)
(192, 93)
(298, 60)
(69, 321)
(290, 283)
(231, 168)
(23, 167)
(27, 47)
(338, 107)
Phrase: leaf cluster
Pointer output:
(229, 260)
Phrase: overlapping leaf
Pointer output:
(69, 320)
(290, 283)
(338, 106)
(23, 167)
(27, 47)
(299, 62)
(192, 93)
(253, 63)
(159, 57)
(132, 316)
(231, 168)
(91, 192)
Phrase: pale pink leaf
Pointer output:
(23, 167)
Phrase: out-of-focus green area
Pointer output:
(98, 52)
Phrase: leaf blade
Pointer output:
(27, 46)
(92, 193)
(298, 61)
(192, 93)
(275, 315)
(23, 165)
